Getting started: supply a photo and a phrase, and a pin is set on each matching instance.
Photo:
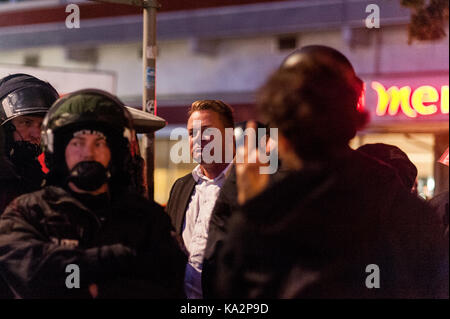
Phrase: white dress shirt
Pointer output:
(196, 225)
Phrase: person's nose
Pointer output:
(35, 135)
(196, 139)
(197, 135)
(88, 152)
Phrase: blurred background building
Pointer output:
(225, 49)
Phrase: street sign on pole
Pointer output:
(149, 80)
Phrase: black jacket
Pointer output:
(313, 234)
(10, 188)
(124, 246)
(10, 183)
(224, 207)
(179, 198)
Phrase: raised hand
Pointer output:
(250, 181)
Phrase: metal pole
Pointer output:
(149, 79)
(149, 91)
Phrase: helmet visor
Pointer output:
(26, 101)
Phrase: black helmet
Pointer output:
(23, 94)
(88, 109)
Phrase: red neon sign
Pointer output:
(425, 100)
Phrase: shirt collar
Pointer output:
(198, 174)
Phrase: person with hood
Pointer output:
(86, 219)
(341, 225)
(24, 101)
(396, 158)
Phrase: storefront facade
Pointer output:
(411, 111)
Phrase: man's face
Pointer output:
(209, 119)
(87, 147)
(28, 128)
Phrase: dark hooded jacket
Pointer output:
(123, 246)
(322, 233)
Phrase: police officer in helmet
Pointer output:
(87, 215)
(24, 100)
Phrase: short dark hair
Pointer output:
(314, 105)
(224, 110)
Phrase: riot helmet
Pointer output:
(24, 95)
(93, 110)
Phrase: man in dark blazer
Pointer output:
(193, 196)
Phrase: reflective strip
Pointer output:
(7, 107)
(49, 140)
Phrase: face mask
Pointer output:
(89, 175)
(22, 151)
